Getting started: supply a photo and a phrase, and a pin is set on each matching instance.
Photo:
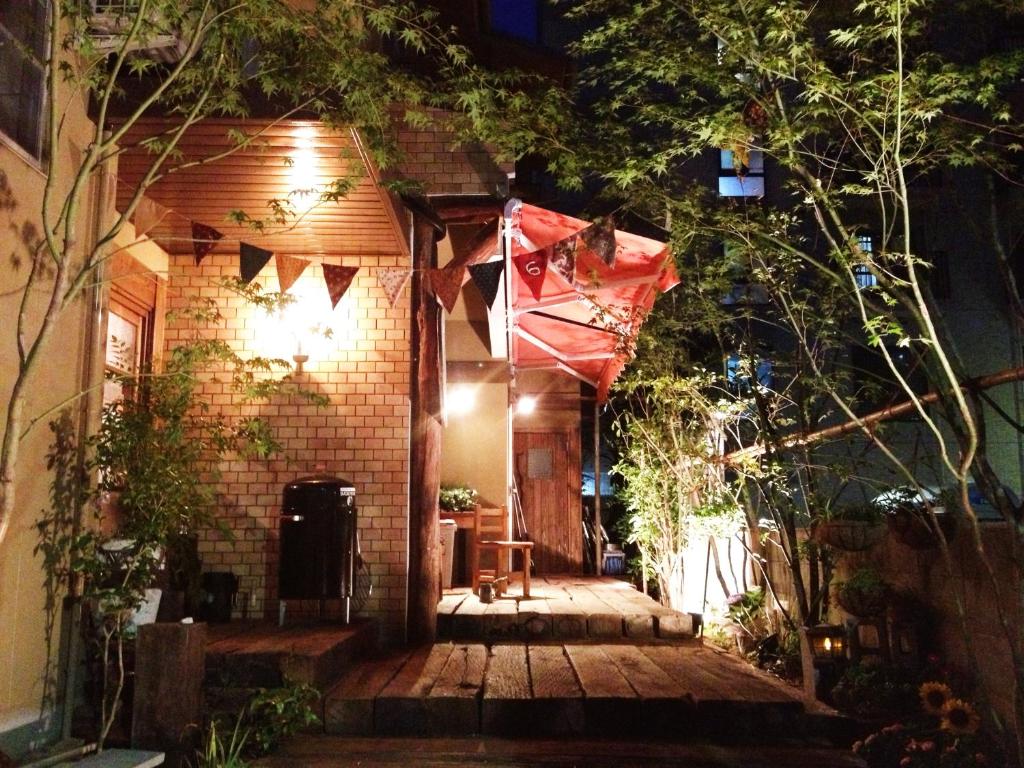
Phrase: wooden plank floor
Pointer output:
(561, 608)
(334, 752)
(625, 689)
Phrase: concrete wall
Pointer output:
(26, 674)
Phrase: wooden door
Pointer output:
(547, 465)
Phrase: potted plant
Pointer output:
(154, 459)
(916, 518)
(457, 498)
(864, 594)
(852, 528)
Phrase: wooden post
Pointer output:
(170, 661)
(425, 450)
(597, 488)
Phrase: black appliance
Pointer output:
(318, 540)
(217, 596)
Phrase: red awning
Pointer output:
(585, 327)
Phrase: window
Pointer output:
(737, 373)
(862, 272)
(23, 51)
(741, 176)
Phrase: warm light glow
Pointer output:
(828, 644)
(526, 405)
(303, 174)
(460, 400)
(307, 326)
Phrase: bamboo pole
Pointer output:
(867, 422)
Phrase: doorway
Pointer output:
(547, 469)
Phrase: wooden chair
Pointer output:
(493, 533)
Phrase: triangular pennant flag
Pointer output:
(251, 260)
(446, 284)
(488, 279)
(563, 259)
(203, 240)
(338, 279)
(532, 268)
(148, 214)
(393, 280)
(288, 270)
(599, 237)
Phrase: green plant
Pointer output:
(457, 498)
(746, 611)
(669, 430)
(865, 593)
(155, 459)
(215, 753)
(855, 513)
(267, 719)
(275, 714)
(875, 691)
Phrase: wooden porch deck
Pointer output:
(654, 690)
(562, 608)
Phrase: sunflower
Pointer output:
(959, 717)
(934, 697)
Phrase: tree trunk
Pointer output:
(425, 451)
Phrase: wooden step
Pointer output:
(242, 656)
(532, 690)
(562, 608)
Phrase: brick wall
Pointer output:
(362, 435)
(432, 158)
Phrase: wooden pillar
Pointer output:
(425, 451)
(167, 707)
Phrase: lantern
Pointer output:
(828, 643)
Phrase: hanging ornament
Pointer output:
(338, 279)
(599, 238)
(393, 280)
(203, 240)
(487, 278)
(532, 268)
(251, 260)
(288, 270)
(563, 259)
(755, 116)
(148, 214)
(446, 284)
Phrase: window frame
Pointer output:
(35, 149)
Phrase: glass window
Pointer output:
(23, 28)
(741, 177)
(862, 272)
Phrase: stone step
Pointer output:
(242, 656)
(664, 691)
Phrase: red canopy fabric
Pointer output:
(585, 328)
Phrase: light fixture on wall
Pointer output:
(526, 404)
(460, 400)
(300, 357)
